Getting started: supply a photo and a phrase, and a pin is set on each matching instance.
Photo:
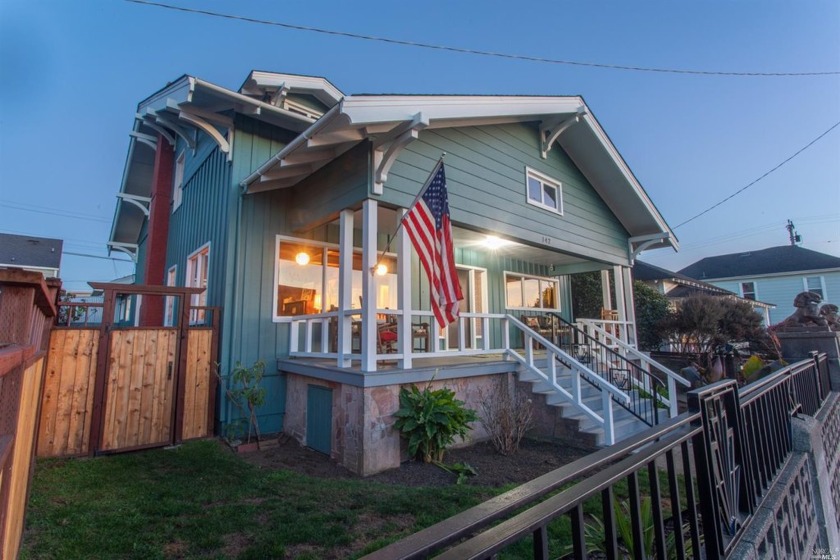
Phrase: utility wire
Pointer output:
(739, 191)
(52, 212)
(475, 51)
(96, 257)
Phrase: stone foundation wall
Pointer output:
(363, 437)
(799, 518)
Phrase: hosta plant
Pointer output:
(430, 420)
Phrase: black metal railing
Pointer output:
(646, 391)
(686, 488)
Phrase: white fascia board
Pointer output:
(610, 149)
(320, 88)
(244, 100)
(393, 108)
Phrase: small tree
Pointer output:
(587, 298)
(246, 393)
(652, 312)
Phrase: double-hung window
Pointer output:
(198, 268)
(543, 191)
(815, 284)
(748, 290)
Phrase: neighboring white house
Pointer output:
(38, 254)
(676, 286)
(774, 275)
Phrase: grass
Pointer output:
(201, 501)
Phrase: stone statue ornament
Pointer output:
(828, 311)
(807, 314)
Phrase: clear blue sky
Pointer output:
(72, 73)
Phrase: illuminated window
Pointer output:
(306, 277)
(530, 292)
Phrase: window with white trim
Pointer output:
(306, 279)
(171, 280)
(531, 292)
(815, 284)
(748, 290)
(198, 268)
(178, 182)
(543, 191)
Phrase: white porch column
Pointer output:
(620, 294)
(405, 342)
(369, 254)
(606, 295)
(630, 307)
(345, 288)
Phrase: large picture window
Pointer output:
(531, 292)
(544, 191)
(306, 278)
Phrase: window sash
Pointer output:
(544, 192)
(523, 291)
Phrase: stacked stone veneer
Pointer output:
(799, 516)
(363, 436)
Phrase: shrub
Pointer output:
(246, 393)
(652, 311)
(430, 421)
(506, 417)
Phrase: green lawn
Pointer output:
(202, 501)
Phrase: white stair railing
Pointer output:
(578, 370)
(646, 362)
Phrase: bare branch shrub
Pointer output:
(506, 417)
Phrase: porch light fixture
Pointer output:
(302, 258)
(381, 269)
(493, 242)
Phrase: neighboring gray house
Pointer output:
(38, 254)
(676, 286)
(774, 275)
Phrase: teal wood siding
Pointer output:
(201, 219)
(341, 184)
(319, 418)
(248, 333)
(485, 172)
(781, 290)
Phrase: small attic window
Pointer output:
(543, 191)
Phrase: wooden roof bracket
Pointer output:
(147, 139)
(206, 128)
(151, 123)
(387, 147)
(129, 249)
(164, 121)
(644, 241)
(551, 130)
(141, 202)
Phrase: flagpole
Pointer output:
(416, 198)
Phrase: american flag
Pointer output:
(428, 226)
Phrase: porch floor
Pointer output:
(389, 372)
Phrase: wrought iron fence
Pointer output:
(686, 488)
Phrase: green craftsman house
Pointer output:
(280, 199)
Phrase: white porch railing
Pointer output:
(607, 331)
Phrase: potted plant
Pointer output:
(244, 390)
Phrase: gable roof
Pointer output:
(28, 251)
(686, 285)
(774, 260)
(392, 121)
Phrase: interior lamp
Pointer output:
(381, 269)
(302, 258)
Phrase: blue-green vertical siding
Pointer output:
(319, 418)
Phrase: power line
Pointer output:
(475, 51)
(739, 191)
(96, 257)
(53, 211)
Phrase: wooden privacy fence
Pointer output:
(26, 311)
(129, 381)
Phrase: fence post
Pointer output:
(722, 476)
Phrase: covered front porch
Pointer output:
(322, 289)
